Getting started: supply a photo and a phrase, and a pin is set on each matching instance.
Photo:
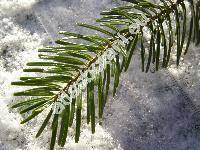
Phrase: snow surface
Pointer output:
(150, 111)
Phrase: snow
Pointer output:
(150, 111)
(22, 31)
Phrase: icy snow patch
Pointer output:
(18, 45)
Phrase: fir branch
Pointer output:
(66, 62)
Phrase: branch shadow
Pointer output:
(152, 111)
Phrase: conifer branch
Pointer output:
(64, 63)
